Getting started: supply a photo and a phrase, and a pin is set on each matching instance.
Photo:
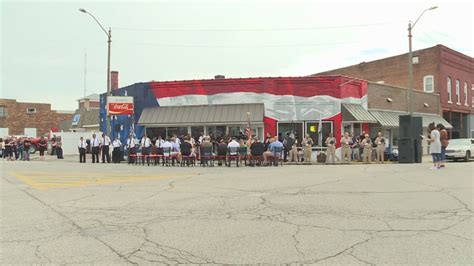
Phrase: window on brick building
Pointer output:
(3, 111)
(449, 89)
(428, 83)
(31, 110)
(458, 92)
(472, 94)
(465, 93)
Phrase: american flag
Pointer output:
(249, 130)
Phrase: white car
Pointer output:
(460, 149)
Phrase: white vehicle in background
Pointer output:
(460, 149)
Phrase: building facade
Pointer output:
(274, 106)
(30, 119)
(438, 70)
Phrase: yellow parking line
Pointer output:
(47, 180)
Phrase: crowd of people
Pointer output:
(290, 147)
(353, 148)
(178, 147)
(19, 148)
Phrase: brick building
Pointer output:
(89, 102)
(438, 70)
(31, 119)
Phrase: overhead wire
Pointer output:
(255, 29)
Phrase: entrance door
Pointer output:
(296, 128)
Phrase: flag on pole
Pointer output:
(249, 130)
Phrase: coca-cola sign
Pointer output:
(120, 105)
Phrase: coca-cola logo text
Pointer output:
(121, 106)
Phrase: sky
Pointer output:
(53, 53)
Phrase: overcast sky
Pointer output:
(43, 43)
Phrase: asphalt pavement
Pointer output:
(63, 212)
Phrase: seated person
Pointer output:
(186, 147)
(221, 151)
(234, 145)
(257, 147)
(268, 152)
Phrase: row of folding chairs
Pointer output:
(206, 157)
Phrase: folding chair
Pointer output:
(205, 156)
(233, 155)
(276, 157)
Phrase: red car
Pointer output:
(35, 144)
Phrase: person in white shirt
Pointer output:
(234, 146)
(167, 148)
(159, 142)
(131, 148)
(116, 144)
(104, 145)
(82, 145)
(177, 140)
(95, 148)
(146, 146)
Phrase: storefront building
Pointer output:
(275, 106)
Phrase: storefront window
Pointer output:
(197, 131)
(234, 131)
(217, 131)
(296, 128)
(347, 128)
(154, 132)
(178, 131)
(312, 130)
(356, 130)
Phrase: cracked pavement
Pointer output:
(346, 215)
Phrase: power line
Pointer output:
(232, 46)
(256, 29)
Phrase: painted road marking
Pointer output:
(48, 180)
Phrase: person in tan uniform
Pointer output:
(346, 152)
(331, 150)
(307, 148)
(380, 142)
(367, 145)
(293, 153)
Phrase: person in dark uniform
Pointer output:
(95, 146)
(43, 145)
(288, 144)
(104, 145)
(82, 150)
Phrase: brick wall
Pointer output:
(87, 104)
(378, 94)
(458, 67)
(18, 119)
(439, 61)
(394, 70)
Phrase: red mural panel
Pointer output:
(269, 126)
(303, 87)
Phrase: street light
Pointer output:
(410, 60)
(109, 41)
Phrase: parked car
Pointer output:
(34, 145)
(460, 149)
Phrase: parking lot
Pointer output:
(66, 212)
